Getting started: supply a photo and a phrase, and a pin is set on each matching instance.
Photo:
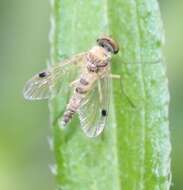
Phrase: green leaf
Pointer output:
(133, 152)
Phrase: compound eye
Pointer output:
(109, 49)
(102, 45)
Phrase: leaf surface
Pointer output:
(133, 152)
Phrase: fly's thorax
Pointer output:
(97, 59)
(100, 53)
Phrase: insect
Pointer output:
(90, 85)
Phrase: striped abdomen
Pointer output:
(75, 101)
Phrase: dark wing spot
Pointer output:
(104, 113)
(42, 75)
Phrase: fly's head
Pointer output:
(109, 45)
(104, 50)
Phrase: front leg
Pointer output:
(73, 83)
(114, 76)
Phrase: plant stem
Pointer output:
(133, 152)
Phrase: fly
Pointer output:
(90, 86)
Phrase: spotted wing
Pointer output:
(93, 111)
(39, 86)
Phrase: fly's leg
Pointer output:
(73, 83)
(113, 76)
(118, 77)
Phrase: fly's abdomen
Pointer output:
(80, 90)
(72, 107)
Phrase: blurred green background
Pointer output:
(24, 126)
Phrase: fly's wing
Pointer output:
(93, 111)
(39, 86)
